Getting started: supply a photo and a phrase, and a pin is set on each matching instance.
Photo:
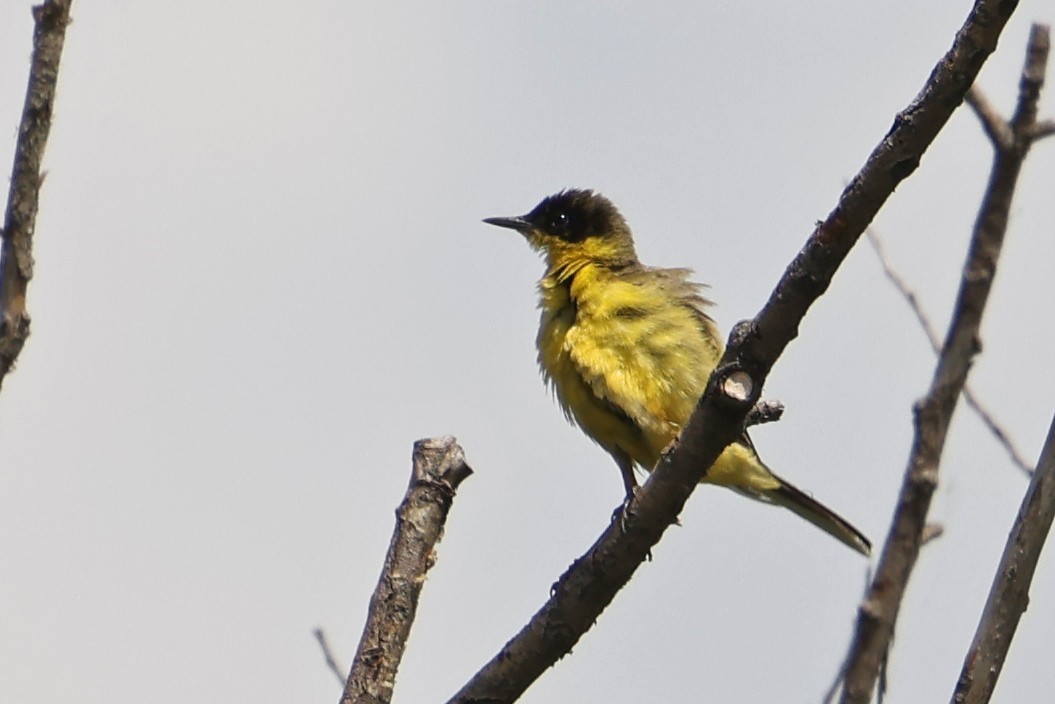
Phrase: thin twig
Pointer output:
(590, 584)
(903, 288)
(439, 467)
(1009, 595)
(931, 532)
(997, 431)
(327, 653)
(992, 121)
(987, 418)
(1043, 129)
(764, 412)
(878, 612)
(16, 251)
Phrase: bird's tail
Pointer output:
(818, 514)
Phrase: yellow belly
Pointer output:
(628, 364)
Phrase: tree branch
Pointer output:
(993, 123)
(1009, 595)
(1043, 129)
(878, 612)
(327, 653)
(1029, 87)
(439, 467)
(16, 250)
(987, 418)
(764, 412)
(589, 585)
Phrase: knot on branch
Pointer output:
(736, 389)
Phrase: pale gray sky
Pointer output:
(261, 275)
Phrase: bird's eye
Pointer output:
(560, 222)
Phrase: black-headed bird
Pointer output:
(628, 349)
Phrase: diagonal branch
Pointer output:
(987, 418)
(327, 653)
(993, 123)
(933, 414)
(1009, 595)
(590, 584)
(16, 252)
(439, 468)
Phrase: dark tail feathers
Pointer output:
(819, 515)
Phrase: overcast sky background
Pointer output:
(261, 275)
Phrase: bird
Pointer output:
(628, 349)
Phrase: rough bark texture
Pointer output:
(438, 469)
(1009, 595)
(16, 251)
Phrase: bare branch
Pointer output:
(994, 125)
(439, 467)
(933, 414)
(997, 431)
(16, 251)
(1030, 85)
(764, 412)
(1009, 595)
(1043, 129)
(903, 288)
(589, 585)
(987, 418)
(327, 653)
(931, 531)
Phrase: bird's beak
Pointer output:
(517, 223)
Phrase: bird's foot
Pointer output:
(625, 513)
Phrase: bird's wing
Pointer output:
(620, 353)
(690, 294)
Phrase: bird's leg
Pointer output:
(626, 469)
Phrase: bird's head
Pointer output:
(575, 227)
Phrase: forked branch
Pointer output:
(933, 413)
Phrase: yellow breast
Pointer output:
(627, 358)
